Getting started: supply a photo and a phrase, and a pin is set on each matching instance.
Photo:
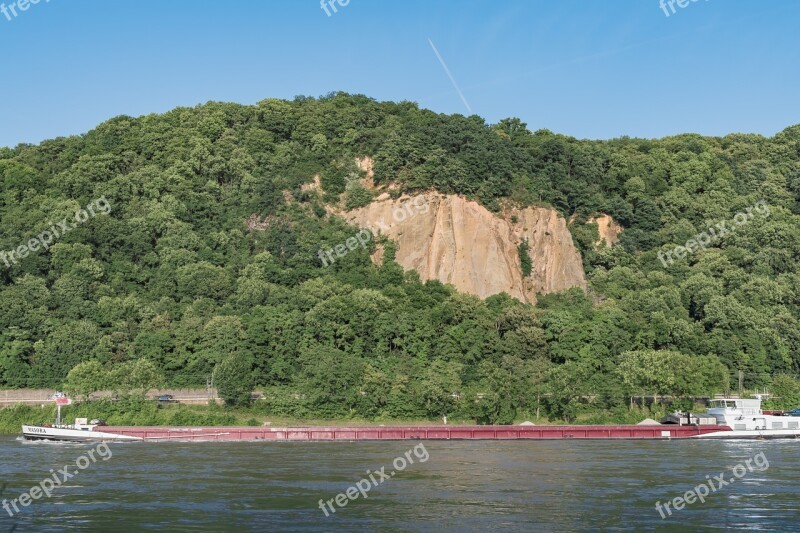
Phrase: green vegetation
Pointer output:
(174, 276)
(234, 379)
(786, 393)
(127, 411)
(137, 376)
(357, 196)
(525, 258)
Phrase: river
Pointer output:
(451, 486)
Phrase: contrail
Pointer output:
(449, 75)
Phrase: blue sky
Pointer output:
(588, 68)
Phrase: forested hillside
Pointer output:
(173, 273)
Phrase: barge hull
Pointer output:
(183, 434)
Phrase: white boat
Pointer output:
(746, 420)
(80, 431)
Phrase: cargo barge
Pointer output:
(155, 434)
(735, 419)
(82, 432)
(184, 434)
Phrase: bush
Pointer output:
(525, 259)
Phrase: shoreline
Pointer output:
(141, 412)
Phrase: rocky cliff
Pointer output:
(460, 242)
(608, 228)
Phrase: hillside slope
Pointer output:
(196, 240)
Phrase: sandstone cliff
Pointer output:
(460, 242)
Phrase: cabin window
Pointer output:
(792, 425)
(740, 427)
(777, 425)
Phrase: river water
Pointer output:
(451, 486)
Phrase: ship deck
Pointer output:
(377, 433)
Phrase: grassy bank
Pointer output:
(126, 411)
(135, 411)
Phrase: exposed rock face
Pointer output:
(460, 242)
(365, 165)
(608, 228)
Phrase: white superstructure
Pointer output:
(79, 432)
(747, 420)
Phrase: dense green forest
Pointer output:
(171, 275)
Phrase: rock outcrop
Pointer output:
(460, 242)
(608, 228)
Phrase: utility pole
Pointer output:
(741, 383)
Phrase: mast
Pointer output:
(61, 399)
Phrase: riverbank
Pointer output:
(12, 418)
(137, 411)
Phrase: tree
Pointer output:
(494, 400)
(332, 379)
(234, 379)
(139, 377)
(647, 371)
(67, 345)
(784, 392)
(15, 351)
(566, 387)
(439, 387)
(668, 372)
(86, 378)
(203, 280)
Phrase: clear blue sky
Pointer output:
(588, 68)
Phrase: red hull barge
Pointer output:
(156, 434)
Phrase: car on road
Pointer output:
(166, 398)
